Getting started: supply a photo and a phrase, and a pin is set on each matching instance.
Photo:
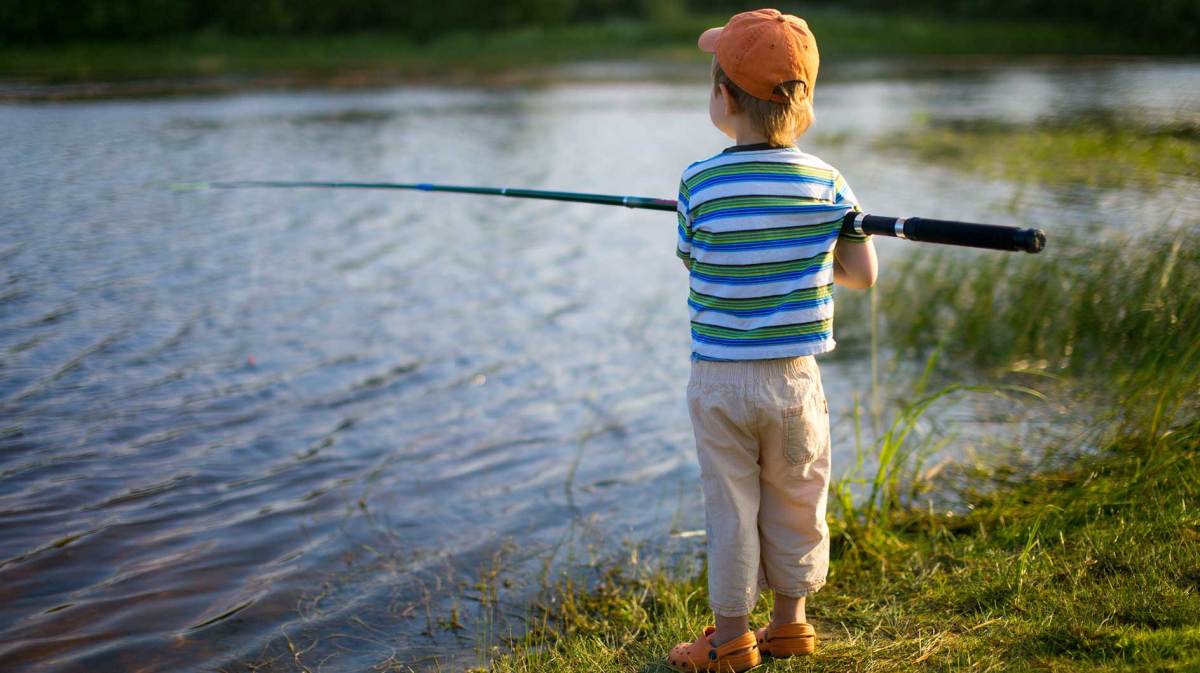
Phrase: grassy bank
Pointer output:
(1093, 566)
(1098, 151)
(1077, 560)
(382, 56)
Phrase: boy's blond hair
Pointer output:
(781, 123)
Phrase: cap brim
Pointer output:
(708, 39)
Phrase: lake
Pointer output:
(285, 428)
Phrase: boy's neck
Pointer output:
(744, 131)
(749, 137)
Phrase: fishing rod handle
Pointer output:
(948, 232)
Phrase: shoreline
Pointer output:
(210, 63)
(585, 71)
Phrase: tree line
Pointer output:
(49, 21)
(1175, 22)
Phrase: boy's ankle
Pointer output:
(783, 620)
(729, 628)
(788, 610)
(718, 638)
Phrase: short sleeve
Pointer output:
(845, 196)
(683, 246)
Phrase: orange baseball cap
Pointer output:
(762, 49)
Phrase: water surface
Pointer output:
(235, 420)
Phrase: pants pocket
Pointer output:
(805, 430)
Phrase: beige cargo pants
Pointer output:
(762, 437)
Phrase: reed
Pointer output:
(885, 479)
(1116, 313)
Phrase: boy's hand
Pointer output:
(687, 264)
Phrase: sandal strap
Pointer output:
(799, 637)
(740, 650)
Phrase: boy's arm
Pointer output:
(854, 262)
(683, 245)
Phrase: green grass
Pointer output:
(845, 34)
(1066, 560)
(370, 57)
(1088, 150)
(1092, 566)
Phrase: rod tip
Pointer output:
(188, 186)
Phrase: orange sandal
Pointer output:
(735, 656)
(787, 640)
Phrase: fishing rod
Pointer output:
(947, 232)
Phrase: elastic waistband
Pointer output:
(750, 371)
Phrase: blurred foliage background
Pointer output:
(1170, 24)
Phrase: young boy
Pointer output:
(759, 231)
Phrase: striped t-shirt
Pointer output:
(759, 225)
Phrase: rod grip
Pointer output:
(948, 232)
